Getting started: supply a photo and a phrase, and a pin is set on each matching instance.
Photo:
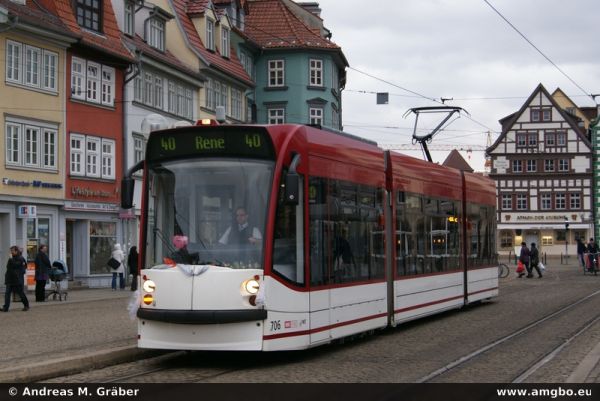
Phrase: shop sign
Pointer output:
(33, 184)
(89, 192)
(529, 218)
(27, 212)
(91, 206)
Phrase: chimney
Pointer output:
(312, 7)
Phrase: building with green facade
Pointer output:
(299, 72)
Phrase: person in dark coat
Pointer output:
(581, 249)
(132, 262)
(42, 270)
(592, 249)
(524, 258)
(534, 260)
(14, 278)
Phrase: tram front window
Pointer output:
(209, 211)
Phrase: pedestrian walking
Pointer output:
(534, 261)
(581, 249)
(132, 263)
(592, 249)
(42, 270)
(524, 258)
(117, 254)
(14, 278)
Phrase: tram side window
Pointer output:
(427, 235)
(481, 229)
(288, 243)
(346, 237)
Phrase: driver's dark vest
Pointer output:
(237, 236)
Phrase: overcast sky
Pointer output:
(459, 49)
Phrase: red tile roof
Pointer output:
(272, 25)
(230, 66)
(108, 42)
(35, 14)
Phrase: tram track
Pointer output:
(549, 355)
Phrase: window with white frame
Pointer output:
(315, 115)
(545, 201)
(276, 116)
(561, 138)
(276, 73)
(92, 156)
(31, 66)
(210, 34)
(575, 201)
(316, 72)
(247, 63)
(92, 82)
(139, 147)
(224, 42)
(335, 80)
(129, 18)
(31, 144)
(108, 160)
(506, 202)
(335, 118)
(531, 166)
(236, 103)
(560, 201)
(521, 201)
(548, 165)
(149, 89)
(209, 94)
(156, 33)
(223, 98)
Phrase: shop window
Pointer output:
(103, 236)
(506, 239)
(38, 233)
(560, 235)
(547, 240)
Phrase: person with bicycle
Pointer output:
(592, 249)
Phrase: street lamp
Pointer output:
(566, 237)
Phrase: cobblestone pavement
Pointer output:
(97, 321)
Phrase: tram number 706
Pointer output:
(275, 325)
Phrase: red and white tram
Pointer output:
(284, 237)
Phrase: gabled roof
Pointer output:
(229, 66)
(108, 42)
(273, 25)
(455, 160)
(508, 121)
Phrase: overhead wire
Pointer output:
(538, 50)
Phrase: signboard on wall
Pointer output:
(27, 211)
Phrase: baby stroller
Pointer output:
(57, 274)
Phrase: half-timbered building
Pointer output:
(542, 165)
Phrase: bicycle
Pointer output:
(503, 270)
(590, 263)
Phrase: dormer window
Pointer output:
(224, 42)
(89, 14)
(129, 18)
(156, 33)
(210, 34)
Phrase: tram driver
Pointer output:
(241, 233)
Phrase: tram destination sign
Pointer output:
(210, 141)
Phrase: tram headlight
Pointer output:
(149, 286)
(251, 286)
